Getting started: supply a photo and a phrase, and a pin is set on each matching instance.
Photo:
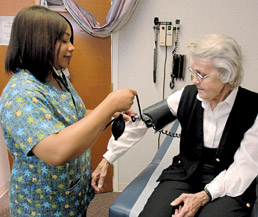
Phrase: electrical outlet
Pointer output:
(190, 42)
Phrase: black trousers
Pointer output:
(158, 204)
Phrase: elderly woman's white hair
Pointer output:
(225, 54)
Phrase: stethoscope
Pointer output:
(118, 125)
(61, 79)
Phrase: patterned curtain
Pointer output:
(118, 15)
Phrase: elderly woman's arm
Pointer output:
(133, 133)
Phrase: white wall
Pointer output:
(132, 62)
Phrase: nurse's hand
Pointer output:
(99, 175)
(121, 100)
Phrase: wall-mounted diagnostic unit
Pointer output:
(166, 34)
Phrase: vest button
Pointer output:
(179, 162)
(248, 205)
(217, 159)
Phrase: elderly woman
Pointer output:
(214, 173)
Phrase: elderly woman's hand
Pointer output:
(192, 203)
(99, 175)
(126, 115)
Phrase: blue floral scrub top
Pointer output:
(29, 112)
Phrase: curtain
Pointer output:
(4, 166)
(118, 15)
(50, 2)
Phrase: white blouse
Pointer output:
(236, 179)
(233, 181)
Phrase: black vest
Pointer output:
(190, 116)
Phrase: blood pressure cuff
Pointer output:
(158, 115)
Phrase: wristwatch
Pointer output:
(208, 193)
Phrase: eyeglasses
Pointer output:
(199, 76)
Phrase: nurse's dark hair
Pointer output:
(34, 34)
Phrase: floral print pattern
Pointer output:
(29, 112)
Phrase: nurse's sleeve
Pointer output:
(28, 119)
